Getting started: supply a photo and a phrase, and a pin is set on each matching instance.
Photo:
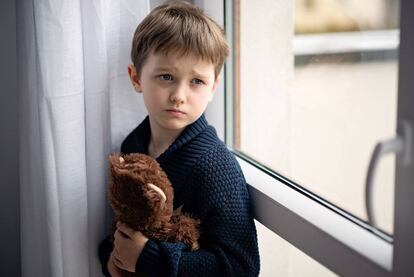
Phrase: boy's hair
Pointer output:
(182, 28)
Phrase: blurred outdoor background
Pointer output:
(318, 89)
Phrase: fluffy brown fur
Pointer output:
(141, 207)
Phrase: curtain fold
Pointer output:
(76, 105)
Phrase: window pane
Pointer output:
(316, 83)
(279, 258)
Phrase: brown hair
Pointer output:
(183, 28)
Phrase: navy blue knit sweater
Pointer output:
(208, 183)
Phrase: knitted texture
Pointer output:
(208, 183)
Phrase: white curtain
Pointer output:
(76, 105)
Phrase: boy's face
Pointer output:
(176, 89)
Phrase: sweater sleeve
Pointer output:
(228, 241)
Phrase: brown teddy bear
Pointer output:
(142, 197)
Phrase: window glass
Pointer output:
(316, 90)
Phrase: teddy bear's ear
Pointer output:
(158, 190)
(156, 198)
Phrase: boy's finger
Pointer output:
(123, 228)
(120, 236)
(118, 263)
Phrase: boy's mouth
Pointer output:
(175, 112)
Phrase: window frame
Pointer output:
(307, 225)
(404, 204)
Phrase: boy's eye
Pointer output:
(165, 77)
(197, 81)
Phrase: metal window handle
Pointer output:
(400, 145)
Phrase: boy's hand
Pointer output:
(128, 245)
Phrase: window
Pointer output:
(304, 112)
(326, 85)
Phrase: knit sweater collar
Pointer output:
(143, 133)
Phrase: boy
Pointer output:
(177, 55)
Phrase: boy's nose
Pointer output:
(178, 96)
(176, 99)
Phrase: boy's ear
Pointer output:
(136, 83)
(216, 82)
